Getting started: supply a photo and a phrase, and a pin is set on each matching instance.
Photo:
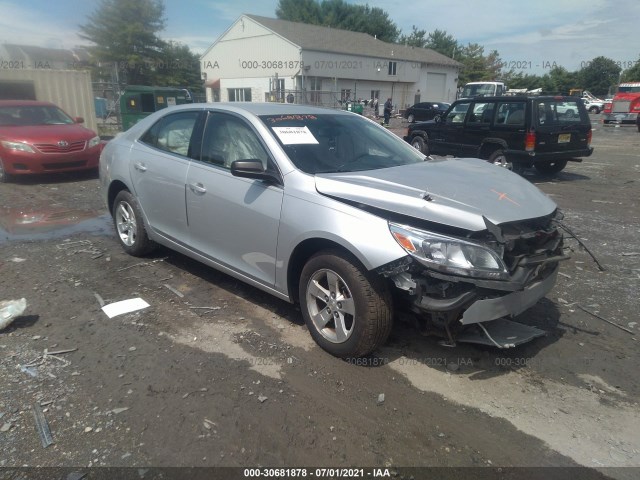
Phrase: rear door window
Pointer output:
(173, 133)
(511, 114)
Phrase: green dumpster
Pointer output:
(139, 101)
(354, 107)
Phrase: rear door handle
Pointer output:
(140, 167)
(197, 188)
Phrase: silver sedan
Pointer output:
(328, 209)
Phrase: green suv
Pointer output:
(516, 132)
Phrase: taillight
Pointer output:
(530, 142)
(589, 135)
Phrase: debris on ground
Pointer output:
(42, 426)
(10, 310)
(124, 306)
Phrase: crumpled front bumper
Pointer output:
(509, 305)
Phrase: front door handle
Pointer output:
(140, 167)
(197, 188)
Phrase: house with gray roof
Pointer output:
(262, 59)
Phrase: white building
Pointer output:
(264, 59)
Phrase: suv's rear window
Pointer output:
(560, 112)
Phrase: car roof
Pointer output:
(522, 98)
(263, 108)
(25, 103)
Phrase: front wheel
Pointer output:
(419, 144)
(551, 167)
(347, 311)
(498, 157)
(127, 218)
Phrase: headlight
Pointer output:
(94, 141)
(450, 255)
(19, 146)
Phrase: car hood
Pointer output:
(459, 193)
(46, 133)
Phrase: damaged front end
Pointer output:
(467, 288)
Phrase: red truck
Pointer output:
(625, 106)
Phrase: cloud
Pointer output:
(26, 26)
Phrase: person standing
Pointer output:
(388, 106)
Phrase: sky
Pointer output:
(531, 37)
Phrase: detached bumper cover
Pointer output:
(511, 304)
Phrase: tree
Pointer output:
(444, 43)
(599, 75)
(126, 32)
(178, 66)
(340, 14)
(303, 11)
(415, 39)
(562, 80)
(632, 74)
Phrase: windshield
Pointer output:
(485, 89)
(629, 89)
(30, 115)
(339, 143)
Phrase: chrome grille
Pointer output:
(621, 106)
(53, 148)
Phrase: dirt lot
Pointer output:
(241, 384)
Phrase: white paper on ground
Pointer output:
(125, 306)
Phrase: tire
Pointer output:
(130, 229)
(419, 144)
(498, 157)
(348, 312)
(411, 118)
(594, 110)
(569, 113)
(550, 167)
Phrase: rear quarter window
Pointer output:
(561, 112)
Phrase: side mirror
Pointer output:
(252, 169)
(78, 120)
(437, 118)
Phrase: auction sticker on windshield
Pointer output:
(295, 135)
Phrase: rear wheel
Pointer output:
(347, 311)
(550, 167)
(127, 218)
(420, 144)
(594, 109)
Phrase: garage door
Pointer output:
(435, 91)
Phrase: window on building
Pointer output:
(345, 94)
(239, 94)
(314, 84)
(276, 88)
(392, 68)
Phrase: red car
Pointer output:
(38, 137)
